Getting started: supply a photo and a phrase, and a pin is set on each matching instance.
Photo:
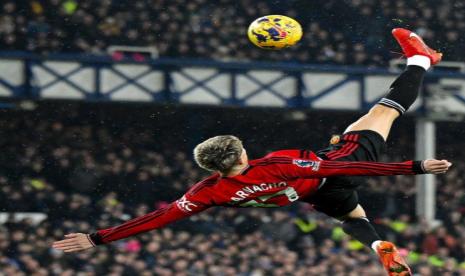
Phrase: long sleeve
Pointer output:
(303, 168)
(197, 199)
(179, 209)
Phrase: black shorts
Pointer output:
(338, 195)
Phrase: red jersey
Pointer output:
(278, 179)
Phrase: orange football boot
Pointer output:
(394, 264)
(412, 44)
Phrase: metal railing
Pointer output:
(190, 81)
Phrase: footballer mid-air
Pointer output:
(322, 179)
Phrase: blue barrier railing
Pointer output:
(191, 81)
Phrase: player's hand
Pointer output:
(74, 242)
(434, 166)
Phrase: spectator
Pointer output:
(335, 32)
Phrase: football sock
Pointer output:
(374, 245)
(419, 60)
(362, 230)
(405, 89)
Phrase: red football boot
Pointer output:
(412, 44)
(394, 264)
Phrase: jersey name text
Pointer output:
(248, 190)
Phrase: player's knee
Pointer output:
(378, 119)
(358, 212)
(383, 111)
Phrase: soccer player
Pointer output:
(280, 178)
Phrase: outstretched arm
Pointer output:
(302, 168)
(179, 209)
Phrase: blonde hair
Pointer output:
(219, 153)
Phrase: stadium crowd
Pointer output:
(336, 32)
(88, 168)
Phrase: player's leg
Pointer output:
(336, 200)
(404, 90)
(357, 225)
(402, 93)
(339, 200)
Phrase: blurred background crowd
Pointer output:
(90, 167)
(336, 32)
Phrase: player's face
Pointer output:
(244, 157)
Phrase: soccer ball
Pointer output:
(274, 32)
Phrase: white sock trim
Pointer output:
(375, 244)
(392, 104)
(422, 61)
